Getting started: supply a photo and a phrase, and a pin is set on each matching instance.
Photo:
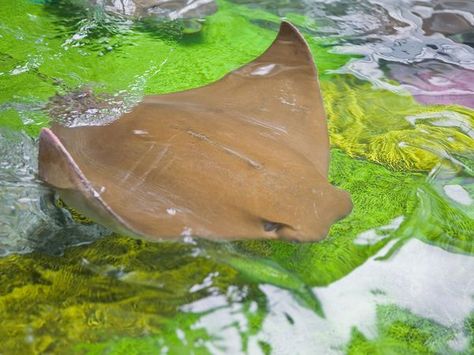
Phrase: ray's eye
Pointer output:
(269, 226)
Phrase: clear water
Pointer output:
(393, 277)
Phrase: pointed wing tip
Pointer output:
(288, 46)
(287, 26)
(289, 31)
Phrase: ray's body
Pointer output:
(243, 158)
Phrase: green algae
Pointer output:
(379, 195)
(401, 332)
(75, 215)
(393, 129)
(446, 223)
(84, 295)
(120, 295)
(66, 61)
(265, 271)
(148, 345)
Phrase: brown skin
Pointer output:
(448, 17)
(243, 158)
(446, 23)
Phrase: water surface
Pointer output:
(393, 277)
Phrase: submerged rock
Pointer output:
(83, 107)
(434, 82)
(339, 18)
(447, 23)
(169, 9)
(189, 12)
(452, 18)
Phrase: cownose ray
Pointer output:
(245, 157)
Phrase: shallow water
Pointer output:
(393, 277)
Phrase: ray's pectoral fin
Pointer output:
(289, 47)
(284, 81)
(58, 169)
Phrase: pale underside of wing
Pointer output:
(244, 157)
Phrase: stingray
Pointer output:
(245, 157)
(447, 23)
(170, 9)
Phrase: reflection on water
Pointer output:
(424, 280)
(393, 277)
(421, 280)
(434, 82)
(397, 32)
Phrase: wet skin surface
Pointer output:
(224, 161)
